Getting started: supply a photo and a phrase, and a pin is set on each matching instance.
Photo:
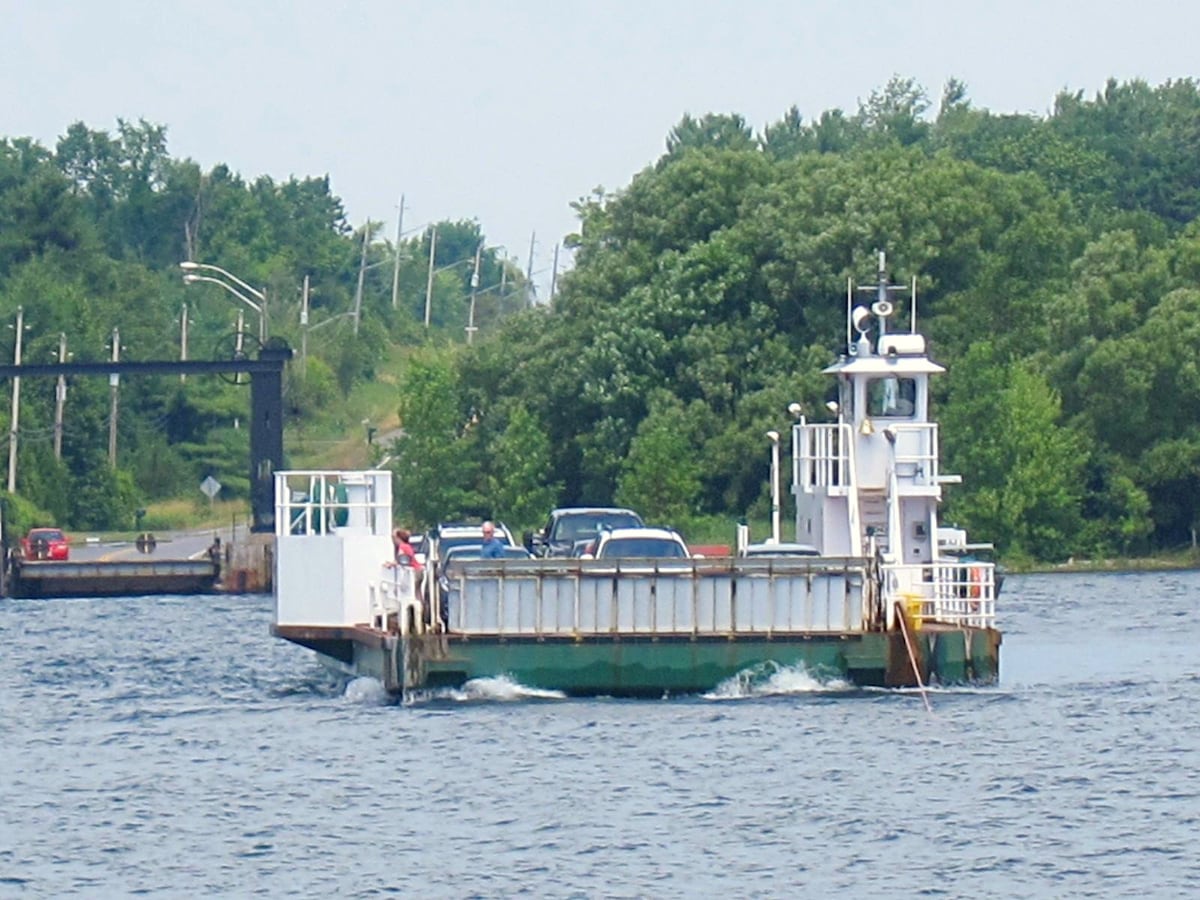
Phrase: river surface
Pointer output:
(170, 747)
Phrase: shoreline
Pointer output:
(1135, 564)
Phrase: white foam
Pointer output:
(366, 691)
(770, 679)
(503, 689)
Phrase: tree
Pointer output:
(434, 460)
(519, 482)
(1000, 427)
(661, 475)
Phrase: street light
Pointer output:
(258, 304)
(262, 323)
(774, 437)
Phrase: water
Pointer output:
(170, 746)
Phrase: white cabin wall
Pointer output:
(916, 516)
(824, 522)
(326, 579)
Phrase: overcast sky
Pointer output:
(507, 112)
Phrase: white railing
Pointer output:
(916, 452)
(958, 592)
(321, 501)
(822, 456)
(823, 459)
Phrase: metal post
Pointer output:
(774, 485)
(60, 397)
(266, 437)
(429, 283)
(304, 330)
(239, 343)
(530, 292)
(114, 382)
(183, 324)
(396, 263)
(474, 290)
(554, 275)
(362, 272)
(16, 404)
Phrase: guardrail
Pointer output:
(959, 592)
(322, 501)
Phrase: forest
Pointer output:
(1057, 260)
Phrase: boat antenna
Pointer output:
(849, 313)
(882, 307)
(913, 317)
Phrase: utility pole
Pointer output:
(362, 272)
(60, 397)
(304, 330)
(396, 263)
(474, 290)
(16, 404)
(239, 342)
(114, 382)
(554, 275)
(429, 283)
(529, 269)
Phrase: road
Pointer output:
(180, 545)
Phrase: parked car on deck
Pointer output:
(570, 529)
(466, 552)
(45, 543)
(783, 548)
(455, 534)
(643, 542)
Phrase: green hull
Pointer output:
(646, 667)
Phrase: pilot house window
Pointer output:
(896, 397)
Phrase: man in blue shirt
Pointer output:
(493, 547)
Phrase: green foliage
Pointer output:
(1001, 427)
(706, 296)
(20, 515)
(434, 461)
(313, 388)
(519, 486)
(103, 498)
(661, 475)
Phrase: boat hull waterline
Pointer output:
(641, 666)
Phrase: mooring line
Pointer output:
(912, 658)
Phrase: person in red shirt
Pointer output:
(404, 550)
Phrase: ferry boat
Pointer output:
(882, 603)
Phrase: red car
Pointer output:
(45, 543)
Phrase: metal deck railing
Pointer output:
(951, 592)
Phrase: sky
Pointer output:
(507, 112)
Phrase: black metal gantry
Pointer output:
(266, 407)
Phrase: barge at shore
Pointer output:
(883, 604)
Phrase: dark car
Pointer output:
(571, 527)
